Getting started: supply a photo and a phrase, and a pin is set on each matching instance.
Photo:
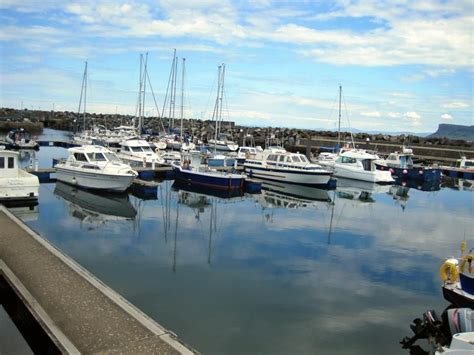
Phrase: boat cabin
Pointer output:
(8, 163)
(400, 160)
(464, 163)
(136, 146)
(286, 159)
(92, 154)
(360, 160)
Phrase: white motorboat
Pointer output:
(95, 167)
(20, 139)
(276, 164)
(15, 183)
(360, 165)
(138, 152)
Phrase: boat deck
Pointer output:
(78, 312)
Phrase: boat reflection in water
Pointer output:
(200, 200)
(281, 195)
(224, 194)
(95, 207)
(429, 185)
(361, 191)
(26, 212)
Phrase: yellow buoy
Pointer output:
(449, 270)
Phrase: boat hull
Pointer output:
(308, 178)
(377, 176)
(454, 294)
(19, 189)
(217, 181)
(222, 147)
(94, 180)
(421, 173)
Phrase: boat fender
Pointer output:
(449, 270)
(74, 181)
(467, 259)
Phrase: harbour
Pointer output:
(237, 177)
(281, 261)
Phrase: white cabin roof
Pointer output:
(358, 154)
(89, 149)
(135, 143)
(8, 153)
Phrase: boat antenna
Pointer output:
(83, 92)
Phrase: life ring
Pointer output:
(449, 271)
(466, 259)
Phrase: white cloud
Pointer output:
(446, 117)
(371, 114)
(436, 34)
(413, 117)
(455, 105)
(394, 114)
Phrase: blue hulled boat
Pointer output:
(401, 165)
(191, 170)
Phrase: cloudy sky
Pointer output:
(403, 65)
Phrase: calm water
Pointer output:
(330, 272)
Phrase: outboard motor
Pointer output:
(439, 331)
(431, 327)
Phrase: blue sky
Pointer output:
(403, 65)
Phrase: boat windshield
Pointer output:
(146, 149)
(303, 158)
(136, 149)
(96, 157)
(112, 157)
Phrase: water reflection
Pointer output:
(325, 271)
(359, 191)
(281, 195)
(95, 208)
(26, 212)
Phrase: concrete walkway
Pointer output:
(78, 311)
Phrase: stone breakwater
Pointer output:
(36, 120)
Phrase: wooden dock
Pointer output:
(78, 312)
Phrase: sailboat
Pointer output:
(221, 141)
(328, 158)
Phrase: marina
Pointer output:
(190, 177)
(185, 256)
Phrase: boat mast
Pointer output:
(139, 93)
(83, 92)
(222, 96)
(216, 106)
(142, 116)
(173, 88)
(182, 101)
(339, 126)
